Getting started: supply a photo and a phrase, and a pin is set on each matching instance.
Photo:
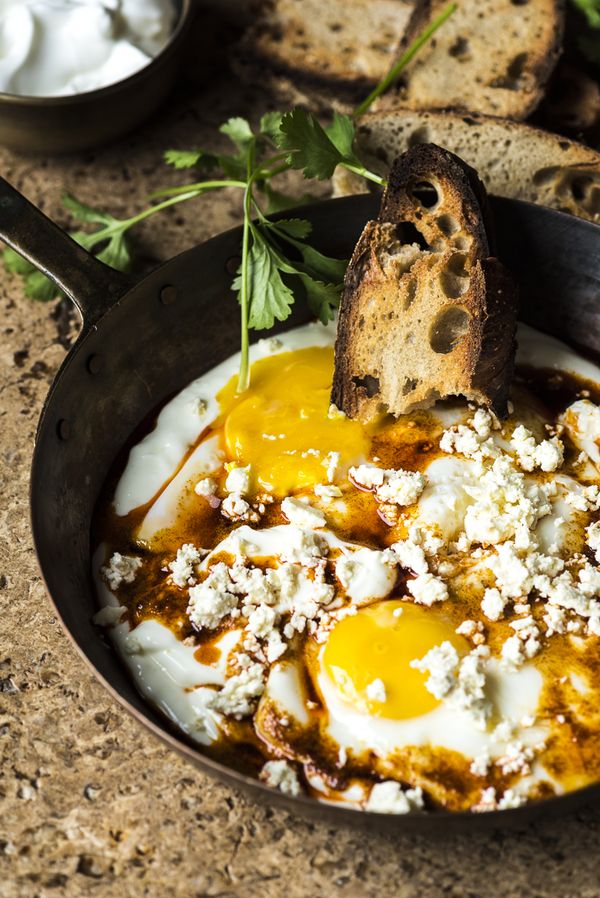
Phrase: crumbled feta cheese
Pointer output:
(236, 508)
(376, 691)
(327, 491)
(593, 538)
(506, 506)
(586, 498)
(212, 600)
(459, 683)
(426, 589)
(238, 480)
(441, 662)
(398, 487)
(302, 514)
(182, 568)
(120, 569)
(335, 413)
(281, 775)
(303, 547)
(547, 455)
(489, 802)
(239, 695)
(513, 652)
(411, 556)
(206, 487)
(516, 759)
(390, 798)
(332, 463)
(511, 799)
(480, 763)
(473, 630)
(473, 440)
(493, 604)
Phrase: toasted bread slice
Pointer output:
(491, 56)
(346, 45)
(426, 312)
(513, 159)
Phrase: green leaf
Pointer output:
(270, 298)
(238, 131)
(341, 133)
(83, 212)
(310, 149)
(293, 227)
(270, 125)
(116, 253)
(281, 202)
(590, 9)
(317, 265)
(15, 263)
(39, 287)
(325, 268)
(191, 158)
(323, 299)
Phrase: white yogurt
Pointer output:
(53, 48)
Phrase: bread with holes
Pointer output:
(492, 56)
(427, 311)
(512, 159)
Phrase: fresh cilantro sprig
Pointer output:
(277, 262)
(109, 241)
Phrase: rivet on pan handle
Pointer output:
(89, 283)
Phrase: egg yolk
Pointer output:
(378, 643)
(281, 424)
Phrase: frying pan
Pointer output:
(139, 343)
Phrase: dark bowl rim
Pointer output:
(188, 9)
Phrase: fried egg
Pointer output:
(265, 599)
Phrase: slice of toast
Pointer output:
(426, 311)
(491, 56)
(513, 159)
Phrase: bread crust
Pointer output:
(427, 311)
(513, 159)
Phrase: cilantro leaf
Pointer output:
(16, 264)
(83, 212)
(270, 125)
(322, 298)
(191, 158)
(271, 299)
(239, 132)
(341, 133)
(310, 149)
(41, 288)
(294, 227)
(37, 285)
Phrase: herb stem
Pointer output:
(365, 173)
(197, 188)
(404, 60)
(244, 372)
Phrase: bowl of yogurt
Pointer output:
(78, 73)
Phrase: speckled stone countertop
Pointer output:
(92, 805)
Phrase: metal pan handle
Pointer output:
(89, 283)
